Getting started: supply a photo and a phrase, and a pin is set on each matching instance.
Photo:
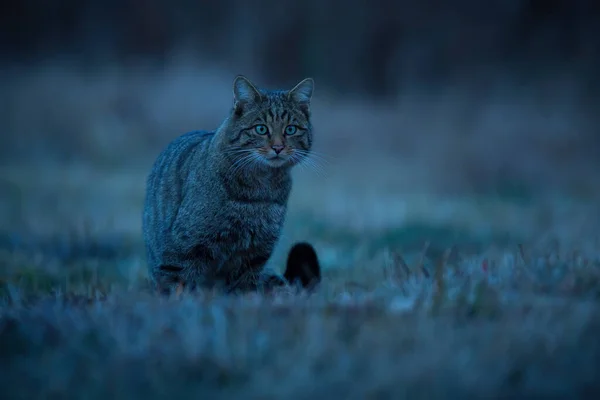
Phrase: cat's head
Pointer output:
(270, 128)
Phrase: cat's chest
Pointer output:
(252, 225)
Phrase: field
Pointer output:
(454, 264)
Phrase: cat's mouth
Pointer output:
(277, 160)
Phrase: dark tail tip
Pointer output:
(303, 265)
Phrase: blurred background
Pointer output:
(493, 97)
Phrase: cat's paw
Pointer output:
(303, 266)
(169, 280)
(269, 280)
(265, 281)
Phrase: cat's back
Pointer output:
(173, 163)
(164, 186)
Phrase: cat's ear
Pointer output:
(244, 92)
(302, 92)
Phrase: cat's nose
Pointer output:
(278, 148)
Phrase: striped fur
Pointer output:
(216, 201)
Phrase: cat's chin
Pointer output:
(277, 162)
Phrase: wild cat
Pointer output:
(216, 201)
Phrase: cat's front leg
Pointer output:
(263, 281)
(169, 279)
(268, 280)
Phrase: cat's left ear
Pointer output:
(302, 92)
(244, 92)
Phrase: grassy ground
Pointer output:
(448, 271)
(423, 296)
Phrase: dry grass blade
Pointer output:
(439, 282)
(421, 263)
(524, 257)
(400, 269)
(524, 267)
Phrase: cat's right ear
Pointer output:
(244, 92)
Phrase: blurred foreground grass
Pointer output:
(424, 296)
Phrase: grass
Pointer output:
(424, 309)
(442, 276)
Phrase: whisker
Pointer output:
(249, 164)
(314, 162)
(306, 163)
(313, 166)
(236, 150)
(325, 158)
(242, 162)
(238, 161)
(255, 162)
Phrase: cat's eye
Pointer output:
(261, 129)
(290, 130)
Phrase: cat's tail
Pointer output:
(303, 266)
